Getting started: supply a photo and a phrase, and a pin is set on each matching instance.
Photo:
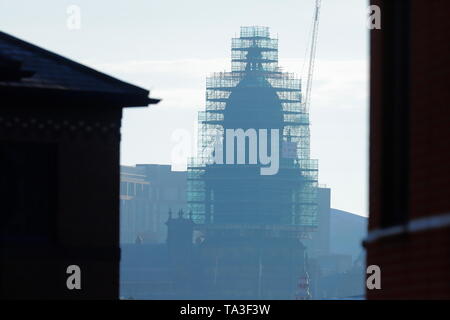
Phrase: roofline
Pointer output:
(78, 65)
(51, 96)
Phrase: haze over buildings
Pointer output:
(245, 235)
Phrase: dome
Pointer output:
(253, 103)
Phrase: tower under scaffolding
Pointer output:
(256, 94)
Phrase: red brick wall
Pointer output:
(430, 108)
(413, 266)
(416, 265)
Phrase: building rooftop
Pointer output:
(27, 66)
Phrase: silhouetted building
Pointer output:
(59, 153)
(147, 193)
(241, 236)
(164, 271)
(409, 224)
(251, 221)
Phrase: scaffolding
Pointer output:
(255, 53)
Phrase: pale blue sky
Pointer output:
(170, 46)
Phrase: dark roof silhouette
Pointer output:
(26, 66)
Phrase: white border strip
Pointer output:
(416, 225)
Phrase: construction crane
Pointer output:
(312, 55)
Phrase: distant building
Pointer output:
(173, 270)
(147, 193)
(347, 284)
(59, 153)
(409, 224)
(136, 219)
(347, 233)
(241, 237)
(251, 222)
(145, 272)
(319, 244)
(336, 257)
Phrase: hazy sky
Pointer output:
(171, 46)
